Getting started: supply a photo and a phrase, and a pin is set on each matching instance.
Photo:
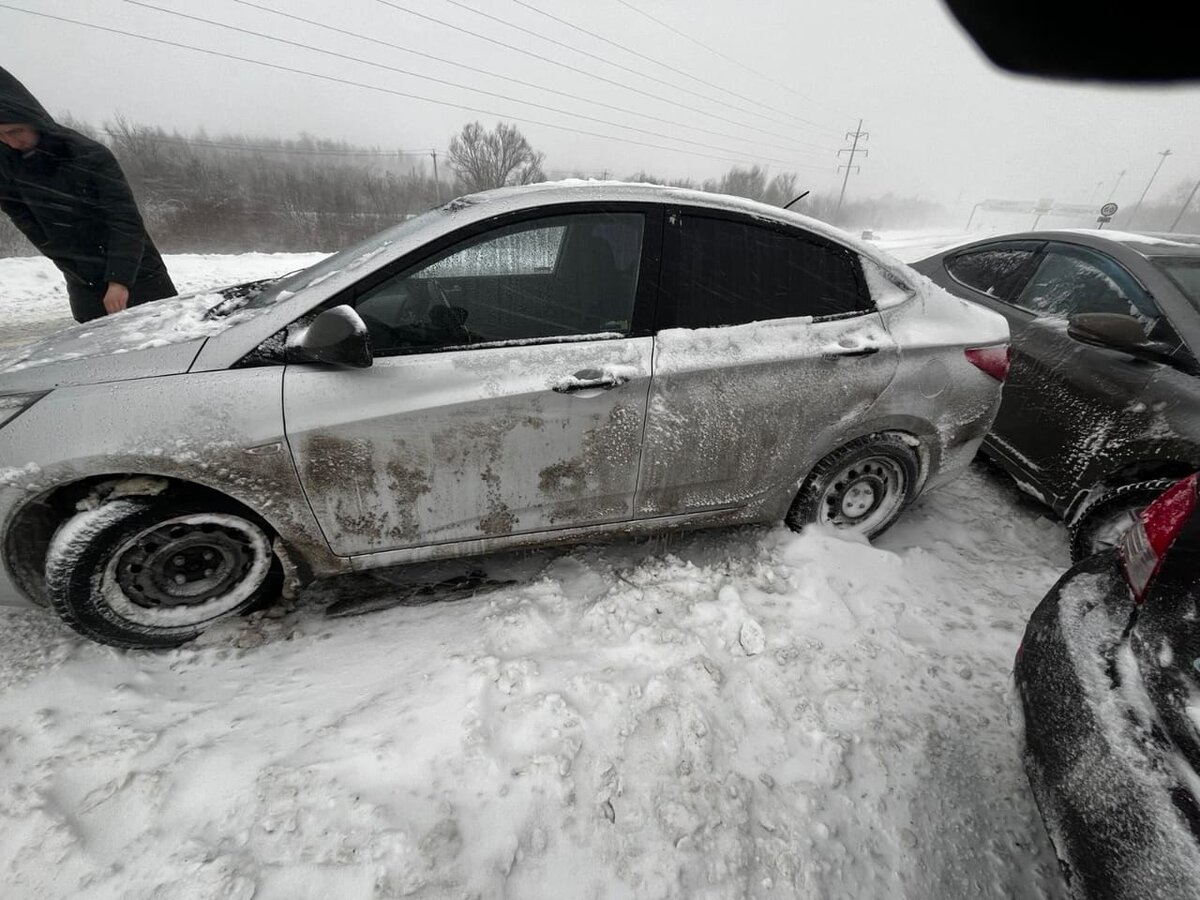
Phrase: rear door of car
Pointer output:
(767, 344)
(508, 388)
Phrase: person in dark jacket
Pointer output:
(68, 195)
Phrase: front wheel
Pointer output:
(861, 487)
(1100, 524)
(144, 573)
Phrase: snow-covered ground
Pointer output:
(735, 713)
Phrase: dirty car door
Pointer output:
(769, 347)
(507, 394)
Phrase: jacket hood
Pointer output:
(19, 106)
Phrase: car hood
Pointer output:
(159, 338)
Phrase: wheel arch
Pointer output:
(32, 525)
(918, 433)
(1129, 472)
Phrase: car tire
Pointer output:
(1100, 524)
(861, 487)
(144, 573)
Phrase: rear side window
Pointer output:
(724, 272)
(999, 272)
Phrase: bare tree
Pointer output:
(752, 183)
(492, 159)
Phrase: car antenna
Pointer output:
(801, 197)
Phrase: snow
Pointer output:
(743, 712)
(34, 296)
(731, 713)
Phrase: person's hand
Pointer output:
(116, 298)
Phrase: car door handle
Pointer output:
(841, 354)
(588, 380)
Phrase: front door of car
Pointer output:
(507, 393)
(1067, 402)
(767, 346)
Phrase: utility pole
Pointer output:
(1133, 215)
(437, 184)
(971, 217)
(857, 135)
(1116, 184)
(1186, 204)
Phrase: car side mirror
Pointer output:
(1118, 332)
(336, 337)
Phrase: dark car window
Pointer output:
(556, 276)
(999, 272)
(725, 272)
(1073, 279)
(1185, 272)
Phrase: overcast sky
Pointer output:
(777, 83)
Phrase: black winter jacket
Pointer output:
(70, 198)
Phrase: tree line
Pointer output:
(234, 193)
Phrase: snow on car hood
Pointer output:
(159, 338)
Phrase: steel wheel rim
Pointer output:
(864, 495)
(186, 570)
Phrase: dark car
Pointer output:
(1109, 682)
(1102, 402)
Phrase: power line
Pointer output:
(577, 70)
(373, 87)
(529, 84)
(598, 58)
(442, 81)
(724, 56)
(664, 65)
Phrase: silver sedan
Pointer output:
(521, 367)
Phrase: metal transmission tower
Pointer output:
(857, 135)
(1133, 215)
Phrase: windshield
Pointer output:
(350, 258)
(1185, 272)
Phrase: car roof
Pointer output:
(548, 193)
(1148, 244)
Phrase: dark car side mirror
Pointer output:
(1118, 332)
(336, 337)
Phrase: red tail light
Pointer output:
(993, 360)
(1143, 545)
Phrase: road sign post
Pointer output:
(1107, 211)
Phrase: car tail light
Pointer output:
(993, 360)
(1154, 530)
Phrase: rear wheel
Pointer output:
(143, 573)
(1100, 524)
(861, 487)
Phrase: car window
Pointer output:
(1071, 280)
(997, 271)
(1185, 272)
(725, 272)
(557, 276)
(530, 252)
